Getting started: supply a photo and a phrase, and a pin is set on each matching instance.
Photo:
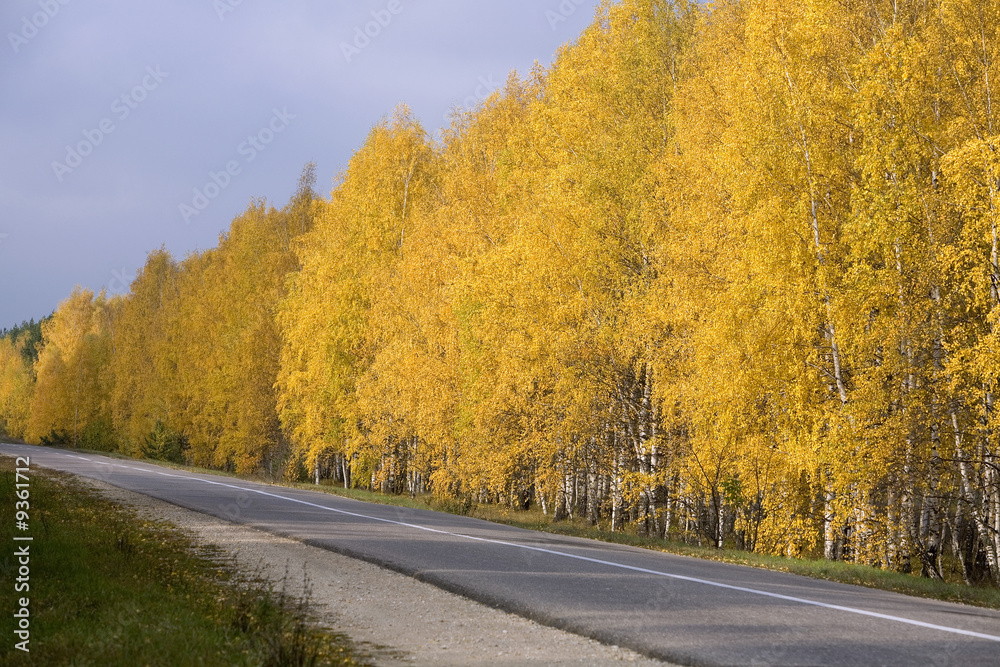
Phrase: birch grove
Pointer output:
(725, 274)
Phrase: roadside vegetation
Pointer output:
(723, 274)
(110, 588)
(985, 595)
(951, 589)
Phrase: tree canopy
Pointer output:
(728, 274)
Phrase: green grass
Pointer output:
(109, 588)
(849, 573)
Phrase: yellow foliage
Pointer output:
(728, 273)
(71, 391)
(16, 387)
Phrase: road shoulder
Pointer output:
(396, 619)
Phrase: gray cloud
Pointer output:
(225, 66)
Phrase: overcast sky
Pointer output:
(125, 126)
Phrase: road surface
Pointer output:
(675, 608)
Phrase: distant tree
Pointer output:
(72, 386)
(163, 444)
(30, 334)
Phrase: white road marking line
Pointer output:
(707, 582)
(633, 568)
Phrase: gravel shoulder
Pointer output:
(397, 620)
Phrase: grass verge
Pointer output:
(109, 588)
(848, 573)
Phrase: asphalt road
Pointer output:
(680, 609)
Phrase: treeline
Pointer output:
(18, 354)
(729, 275)
(181, 367)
